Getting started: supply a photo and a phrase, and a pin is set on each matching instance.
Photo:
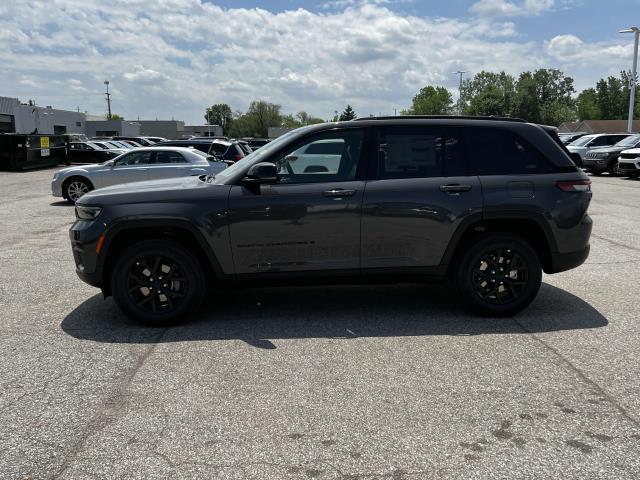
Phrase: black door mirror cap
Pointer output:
(263, 172)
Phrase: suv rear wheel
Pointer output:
(158, 282)
(499, 275)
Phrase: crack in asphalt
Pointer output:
(581, 375)
(112, 403)
(614, 242)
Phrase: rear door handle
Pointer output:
(338, 192)
(455, 188)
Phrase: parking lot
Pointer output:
(354, 382)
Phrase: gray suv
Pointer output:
(488, 203)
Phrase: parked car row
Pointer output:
(146, 163)
(615, 153)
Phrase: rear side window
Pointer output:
(218, 149)
(421, 152)
(169, 157)
(500, 152)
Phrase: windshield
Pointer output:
(257, 155)
(582, 141)
(629, 141)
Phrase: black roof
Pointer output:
(443, 117)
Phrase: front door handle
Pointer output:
(455, 188)
(338, 192)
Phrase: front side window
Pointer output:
(134, 158)
(326, 157)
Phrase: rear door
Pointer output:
(422, 191)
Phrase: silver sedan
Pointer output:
(150, 163)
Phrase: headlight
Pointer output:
(87, 213)
(602, 155)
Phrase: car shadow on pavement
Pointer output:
(258, 316)
(61, 203)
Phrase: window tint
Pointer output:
(134, 158)
(410, 154)
(168, 157)
(501, 152)
(421, 152)
(337, 158)
(218, 149)
(600, 142)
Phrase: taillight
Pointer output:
(575, 185)
(237, 157)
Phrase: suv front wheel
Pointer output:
(158, 282)
(499, 275)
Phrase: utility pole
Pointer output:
(634, 81)
(106, 82)
(460, 72)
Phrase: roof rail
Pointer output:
(443, 117)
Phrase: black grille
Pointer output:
(629, 155)
(627, 166)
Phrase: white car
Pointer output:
(149, 163)
(581, 146)
(321, 157)
(629, 163)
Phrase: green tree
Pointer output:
(488, 93)
(115, 116)
(545, 96)
(587, 104)
(431, 101)
(219, 114)
(256, 121)
(347, 114)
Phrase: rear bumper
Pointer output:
(561, 262)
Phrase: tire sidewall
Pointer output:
(72, 180)
(169, 249)
(472, 257)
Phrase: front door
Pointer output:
(422, 191)
(310, 219)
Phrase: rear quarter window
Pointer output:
(496, 151)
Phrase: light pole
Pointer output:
(460, 72)
(106, 82)
(632, 97)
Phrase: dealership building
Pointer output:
(27, 118)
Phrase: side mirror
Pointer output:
(109, 163)
(263, 172)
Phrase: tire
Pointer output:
(75, 187)
(577, 159)
(518, 287)
(133, 283)
(613, 170)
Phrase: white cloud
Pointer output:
(505, 8)
(173, 58)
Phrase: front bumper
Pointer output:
(84, 236)
(596, 165)
(56, 188)
(629, 167)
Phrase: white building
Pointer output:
(16, 117)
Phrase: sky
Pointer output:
(172, 58)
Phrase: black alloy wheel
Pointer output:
(499, 274)
(158, 282)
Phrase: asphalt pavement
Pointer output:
(345, 382)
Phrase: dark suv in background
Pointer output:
(605, 159)
(488, 203)
(229, 150)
